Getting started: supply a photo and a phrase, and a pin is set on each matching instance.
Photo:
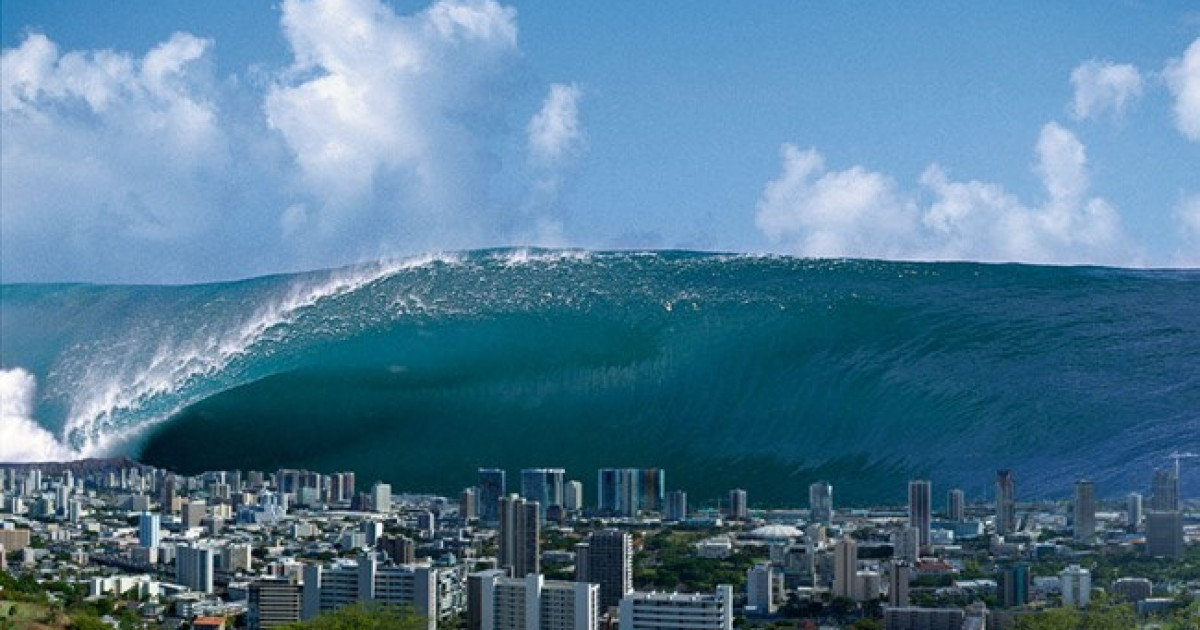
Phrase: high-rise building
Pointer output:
(1133, 511)
(193, 513)
(1006, 502)
(467, 503)
(630, 491)
(898, 582)
(1014, 585)
(760, 589)
(820, 502)
(532, 603)
(400, 549)
(677, 507)
(492, 487)
(1164, 534)
(329, 587)
(738, 510)
(194, 567)
(906, 544)
(543, 485)
(956, 505)
(1084, 510)
(1076, 586)
(149, 532)
(381, 497)
(1165, 497)
(606, 559)
(518, 534)
(274, 602)
(920, 510)
(668, 611)
(845, 568)
(573, 496)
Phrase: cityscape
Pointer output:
(135, 547)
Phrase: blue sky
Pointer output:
(181, 142)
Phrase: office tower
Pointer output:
(820, 502)
(573, 496)
(492, 487)
(606, 559)
(149, 535)
(1014, 585)
(760, 589)
(274, 602)
(1006, 502)
(348, 485)
(194, 567)
(898, 579)
(466, 504)
(381, 497)
(1165, 497)
(1085, 510)
(738, 510)
(531, 603)
(845, 568)
(693, 611)
(1164, 534)
(956, 506)
(920, 510)
(1076, 586)
(906, 544)
(1133, 511)
(677, 507)
(518, 536)
(630, 491)
(193, 513)
(543, 485)
(401, 549)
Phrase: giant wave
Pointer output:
(728, 371)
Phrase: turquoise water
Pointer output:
(766, 373)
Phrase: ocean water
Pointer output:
(766, 373)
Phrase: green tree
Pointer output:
(364, 616)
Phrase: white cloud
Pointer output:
(860, 213)
(390, 118)
(103, 149)
(1103, 86)
(1183, 79)
(1187, 217)
(555, 132)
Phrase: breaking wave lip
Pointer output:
(134, 382)
(21, 438)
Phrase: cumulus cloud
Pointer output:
(1183, 79)
(555, 132)
(1104, 87)
(390, 117)
(104, 148)
(860, 213)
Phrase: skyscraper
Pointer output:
(920, 510)
(194, 567)
(898, 579)
(573, 496)
(1076, 586)
(1164, 534)
(544, 485)
(1166, 491)
(149, 535)
(1133, 511)
(1006, 502)
(760, 589)
(845, 567)
(492, 486)
(1085, 510)
(677, 507)
(519, 536)
(381, 497)
(630, 491)
(956, 505)
(820, 502)
(606, 559)
(467, 504)
(738, 509)
(1014, 585)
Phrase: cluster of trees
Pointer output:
(668, 561)
(364, 616)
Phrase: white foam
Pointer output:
(113, 382)
(21, 439)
